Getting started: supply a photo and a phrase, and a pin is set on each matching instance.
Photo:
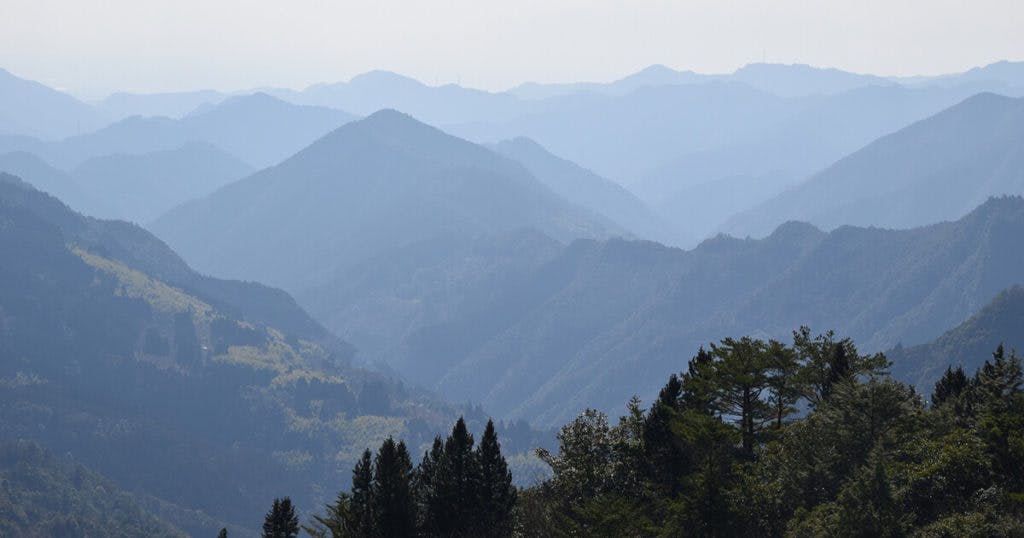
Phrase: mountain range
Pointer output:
(936, 169)
(134, 187)
(214, 379)
(258, 129)
(532, 327)
(365, 188)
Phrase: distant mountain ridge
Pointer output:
(969, 344)
(363, 189)
(936, 169)
(592, 322)
(117, 352)
(135, 187)
(258, 129)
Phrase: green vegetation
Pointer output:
(114, 352)
(456, 490)
(42, 495)
(723, 452)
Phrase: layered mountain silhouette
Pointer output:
(934, 170)
(116, 351)
(29, 108)
(968, 345)
(134, 187)
(258, 129)
(589, 190)
(536, 329)
(368, 187)
(701, 190)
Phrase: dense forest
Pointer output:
(754, 438)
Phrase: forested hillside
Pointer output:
(1000, 322)
(538, 330)
(115, 351)
(366, 188)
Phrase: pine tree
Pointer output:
(450, 486)
(783, 389)
(952, 384)
(223, 533)
(394, 510)
(426, 476)
(665, 459)
(740, 376)
(281, 521)
(497, 495)
(363, 522)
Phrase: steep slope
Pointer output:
(135, 187)
(968, 344)
(730, 179)
(47, 496)
(30, 108)
(592, 323)
(50, 180)
(141, 187)
(589, 190)
(936, 169)
(366, 188)
(116, 352)
(258, 129)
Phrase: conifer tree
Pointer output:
(740, 377)
(362, 496)
(952, 384)
(426, 476)
(665, 460)
(281, 521)
(223, 533)
(497, 495)
(394, 510)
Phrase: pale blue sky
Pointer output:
(91, 47)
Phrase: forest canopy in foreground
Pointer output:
(755, 438)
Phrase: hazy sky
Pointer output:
(92, 46)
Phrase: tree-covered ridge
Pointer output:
(724, 452)
(116, 355)
(966, 345)
(43, 495)
(456, 490)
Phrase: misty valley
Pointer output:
(779, 301)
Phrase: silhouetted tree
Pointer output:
(281, 521)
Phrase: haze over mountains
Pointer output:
(533, 252)
(933, 170)
(534, 328)
(368, 187)
(215, 379)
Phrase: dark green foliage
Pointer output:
(951, 386)
(455, 491)
(497, 495)
(223, 533)
(44, 495)
(868, 459)
(113, 350)
(394, 510)
(281, 521)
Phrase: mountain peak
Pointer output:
(380, 77)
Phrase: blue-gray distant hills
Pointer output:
(591, 191)
(539, 329)
(933, 170)
(967, 345)
(258, 129)
(133, 187)
(365, 188)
